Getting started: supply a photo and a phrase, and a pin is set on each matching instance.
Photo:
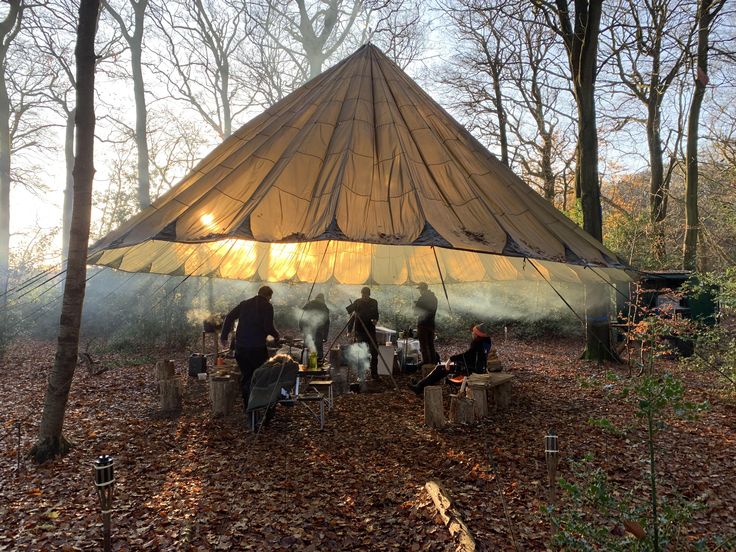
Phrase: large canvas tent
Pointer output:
(359, 176)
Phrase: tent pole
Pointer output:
(316, 274)
(345, 327)
(314, 282)
(444, 288)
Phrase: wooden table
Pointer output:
(497, 385)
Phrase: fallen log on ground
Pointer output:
(450, 516)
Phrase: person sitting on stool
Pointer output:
(472, 361)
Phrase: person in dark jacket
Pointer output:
(426, 308)
(364, 324)
(255, 324)
(473, 360)
(315, 324)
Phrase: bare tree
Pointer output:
(650, 42)
(480, 68)
(203, 40)
(294, 39)
(506, 81)
(708, 11)
(541, 94)
(52, 29)
(132, 32)
(175, 145)
(51, 442)
(310, 33)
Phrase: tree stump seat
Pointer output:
(497, 385)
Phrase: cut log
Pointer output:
(461, 410)
(434, 410)
(164, 370)
(170, 394)
(221, 395)
(451, 517)
(502, 395)
(480, 400)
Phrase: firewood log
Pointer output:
(451, 517)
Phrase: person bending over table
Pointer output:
(472, 361)
(255, 324)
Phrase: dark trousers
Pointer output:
(248, 360)
(435, 376)
(370, 340)
(425, 334)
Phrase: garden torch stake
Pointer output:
(17, 452)
(551, 454)
(105, 483)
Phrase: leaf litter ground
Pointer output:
(191, 482)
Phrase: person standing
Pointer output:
(315, 324)
(255, 324)
(364, 323)
(426, 309)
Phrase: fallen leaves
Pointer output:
(190, 482)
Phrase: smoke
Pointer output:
(358, 356)
(197, 315)
(309, 342)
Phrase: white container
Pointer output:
(202, 376)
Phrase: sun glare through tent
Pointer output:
(208, 221)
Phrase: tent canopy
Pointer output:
(356, 177)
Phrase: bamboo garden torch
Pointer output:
(105, 483)
(551, 454)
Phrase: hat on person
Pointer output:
(479, 330)
(422, 286)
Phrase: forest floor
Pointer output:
(191, 482)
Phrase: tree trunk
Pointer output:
(657, 191)
(141, 119)
(69, 187)
(692, 218)
(4, 186)
(50, 440)
(548, 174)
(227, 117)
(501, 113)
(581, 43)
(597, 326)
(134, 40)
(587, 163)
(8, 30)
